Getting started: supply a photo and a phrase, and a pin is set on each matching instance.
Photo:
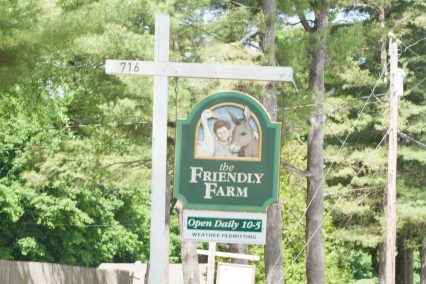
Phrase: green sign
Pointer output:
(224, 224)
(227, 155)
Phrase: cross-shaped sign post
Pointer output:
(161, 69)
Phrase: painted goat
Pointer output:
(244, 140)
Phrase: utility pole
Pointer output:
(395, 89)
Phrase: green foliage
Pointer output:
(29, 247)
(353, 65)
(73, 4)
(293, 198)
(73, 194)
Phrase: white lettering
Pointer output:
(232, 177)
(220, 191)
(230, 191)
(222, 176)
(210, 188)
(258, 177)
(198, 174)
(195, 172)
(241, 177)
(207, 176)
(242, 192)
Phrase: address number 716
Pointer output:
(129, 67)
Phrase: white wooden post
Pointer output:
(161, 69)
(158, 254)
(210, 263)
(229, 254)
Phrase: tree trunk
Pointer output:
(188, 249)
(383, 40)
(375, 259)
(399, 262)
(315, 194)
(273, 248)
(404, 264)
(239, 248)
(315, 201)
(268, 48)
(382, 264)
(383, 64)
(382, 268)
(423, 264)
(409, 273)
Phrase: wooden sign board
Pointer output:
(227, 155)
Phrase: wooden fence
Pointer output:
(20, 272)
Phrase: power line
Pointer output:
(346, 100)
(109, 124)
(333, 133)
(87, 125)
(295, 107)
(329, 168)
(78, 225)
(98, 116)
(332, 208)
(409, 47)
(349, 107)
(412, 88)
(417, 42)
(408, 138)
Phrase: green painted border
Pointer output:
(277, 150)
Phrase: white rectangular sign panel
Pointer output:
(224, 227)
(197, 70)
(229, 273)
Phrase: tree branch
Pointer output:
(249, 35)
(242, 5)
(295, 169)
(372, 8)
(299, 23)
(305, 23)
(131, 163)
